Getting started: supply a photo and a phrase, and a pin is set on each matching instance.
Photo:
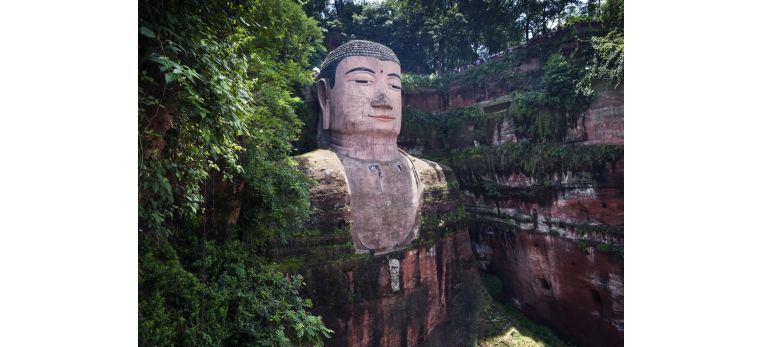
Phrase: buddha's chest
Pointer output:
(384, 199)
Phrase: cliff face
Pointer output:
(547, 219)
(429, 100)
(558, 253)
(421, 296)
(556, 244)
(604, 120)
(579, 292)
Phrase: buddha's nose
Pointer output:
(380, 99)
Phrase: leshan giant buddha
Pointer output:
(364, 180)
(369, 198)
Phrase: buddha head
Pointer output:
(360, 94)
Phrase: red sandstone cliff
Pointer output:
(556, 242)
(435, 303)
(559, 254)
(579, 292)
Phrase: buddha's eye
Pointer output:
(396, 87)
(362, 81)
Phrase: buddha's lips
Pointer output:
(384, 117)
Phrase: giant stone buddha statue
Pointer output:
(364, 180)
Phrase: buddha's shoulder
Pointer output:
(319, 159)
(438, 185)
(324, 167)
(324, 164)
(429, 172)
(329, 196)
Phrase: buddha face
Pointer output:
(365, 99)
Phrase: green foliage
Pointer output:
(455, 128)
(242, 300)
(220, 77)
(558, 82)
(539, 160)
(216, 116)
(490, 187)
(542, 114)
(608, 61)
(503, 325)
(492, 70)
(503, 69)
(534, 118)
(539, 113)
(580, 19)
(278, 204)
(544, 104)
(493, 285)
(412, 82)
(437, 36)
(434, 226)
(612, 14)
(614, 250)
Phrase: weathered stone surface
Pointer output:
(394, 273)
(425, 295)
(427, 100)
(467, 94)
(361, 106)
(335, 200)
(563, 232)
(555, 242)
(604, 120)
(577, 291)
(385, 204)
(328, 197)
(601, 123)
(435, 305)
(573, 198)
(556, 245)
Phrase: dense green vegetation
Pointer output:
(503, 325)
(539, 160)
(216, 117)
(543, 105)
(449, 130)
(436, 36)
(502, 68)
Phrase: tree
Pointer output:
(612, 14)
(439, 35)
(216, 115)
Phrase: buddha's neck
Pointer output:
(364, 147)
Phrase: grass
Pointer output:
(503, 325)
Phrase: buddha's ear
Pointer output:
(324, 98)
